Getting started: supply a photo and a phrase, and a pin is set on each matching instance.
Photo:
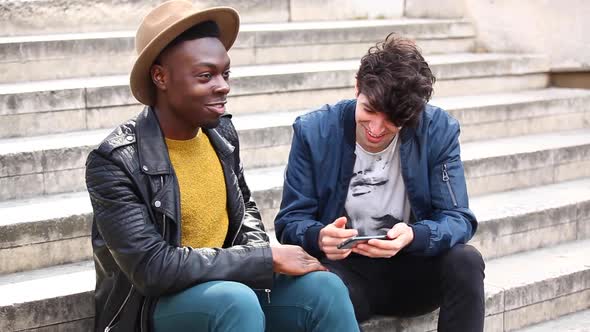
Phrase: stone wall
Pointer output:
(558, 29)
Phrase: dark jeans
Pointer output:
(407, 285)
(316, 302)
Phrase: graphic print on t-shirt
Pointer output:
(376, 197)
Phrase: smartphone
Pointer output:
(349, 243)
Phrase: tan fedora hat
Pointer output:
(161, 26)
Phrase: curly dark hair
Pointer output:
(396, 80)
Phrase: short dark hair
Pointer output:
(201, 30)
(396, 80)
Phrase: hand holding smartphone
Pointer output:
(349, 243)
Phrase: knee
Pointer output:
(233, 296)
(221, 305)
(233, 299)
(327, 286)
(331, 306)
(465, 263)
(327, 282)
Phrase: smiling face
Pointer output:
(374, 131)
(192, 80)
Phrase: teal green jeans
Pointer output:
(317, 301)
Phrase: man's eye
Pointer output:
(226, 74)
(205, 75)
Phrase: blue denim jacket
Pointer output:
(321, 165)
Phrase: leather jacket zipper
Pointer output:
(236, 236)
(110, 325)
(239, 228)
(445, 178)
(164, 227)
(143, 303)
(163, 214)
(266, 291)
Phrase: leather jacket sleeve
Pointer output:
(154, 266)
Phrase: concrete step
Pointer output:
(526, 161)
(520, 291)
(59, 56)
(538, 290)
(265, 138)
(55, 163)
(577, 322)
(45, 164)
(45, 231)
(90, 103)
(59, 298)
(518, 113)
(26, 17)
(481, 117)
(521, 220)
(22, 17)
(55, 229)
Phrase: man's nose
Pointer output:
(378, 122)
(222, 86)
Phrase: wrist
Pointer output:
(275, 258)
(320, 236)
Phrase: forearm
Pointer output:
(174, 269)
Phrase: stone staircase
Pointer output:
(63, 86)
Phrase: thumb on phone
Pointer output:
(397, 230)
(340, 222)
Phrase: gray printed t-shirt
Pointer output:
(377, 197)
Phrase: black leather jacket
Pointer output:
(136, 227)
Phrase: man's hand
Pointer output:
(334, 234)
(293, 260)
(400, 236)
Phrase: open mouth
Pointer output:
(373, 137)
(217, 107)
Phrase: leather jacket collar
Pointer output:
(151, 147)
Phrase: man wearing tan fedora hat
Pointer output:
(208, 266)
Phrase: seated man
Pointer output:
(387, 163)
(178, 242)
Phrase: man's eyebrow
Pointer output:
(209, 64)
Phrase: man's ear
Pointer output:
(159, 77)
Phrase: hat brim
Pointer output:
(226, 18)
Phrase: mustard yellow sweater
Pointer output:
(202, 192)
